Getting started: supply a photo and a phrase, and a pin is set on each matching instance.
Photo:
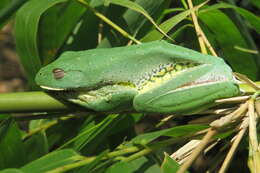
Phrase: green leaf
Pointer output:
(57, 16)
(184, 130)
(63, 131)
(256, 3)
(92, 135)
(169, 165)
(148, 137)
(118, 167)
(36, 146)
(4, 4)
(96, 163)
(173, 132)
(26, 34)
(11, 145)
(4, 116)
(228, 36)
(145, 165)
(8, 8)
(87, 34)
(138, 23)
(166, 26)
(140, 165)
(11, 170)
(249, 16)
(128, 121)
(180, 30)
(51, 161)
(134, 6)
(89, 29)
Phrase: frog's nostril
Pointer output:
(58, 73)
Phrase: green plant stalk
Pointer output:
(246, 88)
(149, 148)
(119, 154)
(45, 126)
(138, 151)
(88, 160)
(73, 165)
(35, 102)
(21, 102)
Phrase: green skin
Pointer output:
(155, 77)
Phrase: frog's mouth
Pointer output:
(62, 89)
(52, 89)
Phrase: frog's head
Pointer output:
(65, 73)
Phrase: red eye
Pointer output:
(58, 73)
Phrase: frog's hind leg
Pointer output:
(179, 94)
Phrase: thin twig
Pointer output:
(203, 41)
(257, 107)
(196, 25)
(237, 99)
(206, 139)
(223, 111)
(100, 30)
(183, 153)
(252, 125)
(234, 146)
(164, 120)
(207, 43)
(215, 125)
(247, 81)
(237, 114)
(253, 141)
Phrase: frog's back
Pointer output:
(119, 63)
(131, 64)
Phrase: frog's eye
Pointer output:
(58, 73)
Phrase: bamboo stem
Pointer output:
(196, 25)
(21, 102)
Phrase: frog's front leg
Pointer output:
(190, 91)
(108, 98)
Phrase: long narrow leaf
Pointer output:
(51, 161)
(228, 36)
(8, 8)
(167, 25)
(169, 165)
(11, 170)
(139, 9)
(26, 29)
(173, 132)
(249, 16)
(138, 23)
(11, 145)
(56, 17)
